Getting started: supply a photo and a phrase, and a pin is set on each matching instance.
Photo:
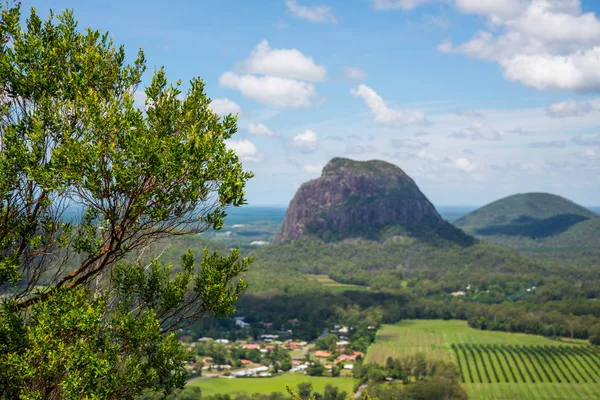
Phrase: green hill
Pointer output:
(539, 223)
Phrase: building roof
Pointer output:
(321, 353)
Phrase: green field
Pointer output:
(269, 385)
(497, 365)
(332, 285)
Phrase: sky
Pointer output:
(474, 99)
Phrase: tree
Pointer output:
(304, 389)
(86, 311)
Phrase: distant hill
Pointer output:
(535, 222)
(364, 199)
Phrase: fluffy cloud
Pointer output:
(354, 74)
(409, 144)
(283, 63)
(397, 4)
(477, 131)
(465, 164)
(245, 149)
(276, 77)
(385, 115)
(311, 13)
(224, 106)
(570, 108)
(271, 90)
(305, 142)
(259, 129)
(544, 44)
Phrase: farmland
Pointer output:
(496, 364)
(269, 385)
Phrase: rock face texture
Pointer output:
(357, 198)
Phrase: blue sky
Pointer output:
(474, 99)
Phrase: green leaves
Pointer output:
(82, 319)
(73, 341)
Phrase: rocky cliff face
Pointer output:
(357, 198)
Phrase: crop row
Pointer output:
(485, 363)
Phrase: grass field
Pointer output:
(269, 385)
(334, 286)
(497, 365)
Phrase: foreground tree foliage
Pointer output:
(85, 312)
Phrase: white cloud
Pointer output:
(312, 169)
(355, 74)
(271, 90)
(259, 129)
(409, 144)
(519, 131)
(496, 9)
(477, 131)
(245, 149)
(569, 108)
(385, 115)
(283, 63)
(224, 106)
(358, 149)
(590, 154)
(468, 112)
(311, 13)
(548, 144)
(465, 164)
(543, 44)
(306, 142)
(139, 98)
(587, 141)
(397, 4)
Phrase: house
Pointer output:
(246, 362)
(222, 341)
(205, 339)
(459, 293)
(371, 328)
(270, 347)
(297, 362)
(239, 322)
(267, 336)
(328, 367)
(342, 343)
(348, 357)
(349, 366)
(322, 354)
(251, 346)
(343, 329)
(207, 360)
(299, 368)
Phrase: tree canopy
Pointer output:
(86, 312)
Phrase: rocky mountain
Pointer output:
(366, 199)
